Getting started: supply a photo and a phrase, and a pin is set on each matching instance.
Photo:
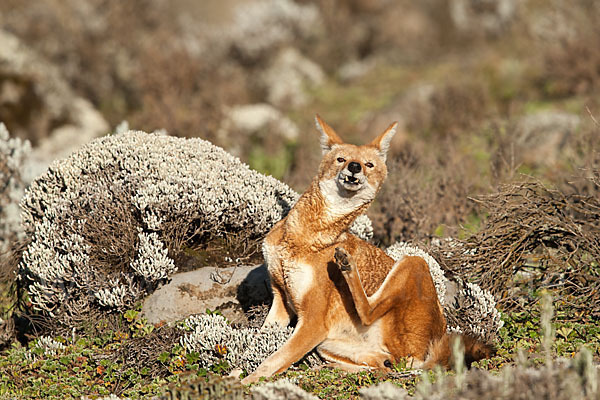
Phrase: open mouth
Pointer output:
(349, 182)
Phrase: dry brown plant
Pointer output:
(534, 238)
(421, 195)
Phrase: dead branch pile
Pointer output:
(534, 238)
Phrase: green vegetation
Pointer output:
(463, 99)
(70, 367)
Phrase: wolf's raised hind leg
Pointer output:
(370, 309)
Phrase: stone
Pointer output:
(255, 121)
(254, 118)
(229, 290)
(541, 138)
(37, 103)
(287, 78)
(490, 17)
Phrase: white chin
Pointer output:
(351, 187)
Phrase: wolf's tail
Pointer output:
(440, 351)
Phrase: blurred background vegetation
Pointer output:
(482, 88)
(498, 103)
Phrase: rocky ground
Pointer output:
(494, 172)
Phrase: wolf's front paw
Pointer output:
(342, 259)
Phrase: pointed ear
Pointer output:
(328, 135)
(382, 142)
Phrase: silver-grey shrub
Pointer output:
(106, 224)
(13, 152)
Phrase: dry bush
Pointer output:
(458, 107)
(182, 94)
(144, 351)
(421, 194)
(104, 225)
(568, 35)
(534, 238)
(148, 62)
(560, 380)
(13, 152)
(400, 30)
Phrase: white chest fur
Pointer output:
(338, 205)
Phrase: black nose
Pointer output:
(354, 167)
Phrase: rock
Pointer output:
(229, 290)
(287, 78)
(253, 118)
(37, 103)
(482, 16)
(262, 26)
(251, 121)
(356, 69)
(542, 137)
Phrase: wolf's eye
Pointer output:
(369, 164)
(340, 159)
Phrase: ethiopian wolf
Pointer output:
(355, 304)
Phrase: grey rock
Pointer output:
(482, 16)
(229, 290)
(255, 119)
(541, 138)
(37, 103)
(287, 78)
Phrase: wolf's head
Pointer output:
(352, 175)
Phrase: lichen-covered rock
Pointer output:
(266, 25)
(105, 224)
(287, 78)
(488, 17)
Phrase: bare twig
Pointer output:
(592, 116)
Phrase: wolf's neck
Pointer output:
(321, 217)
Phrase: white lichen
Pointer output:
(215, 340)
(152, 262)
(49, 346)
(13, 152)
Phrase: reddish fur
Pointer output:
(440, 352)
(331, 305)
